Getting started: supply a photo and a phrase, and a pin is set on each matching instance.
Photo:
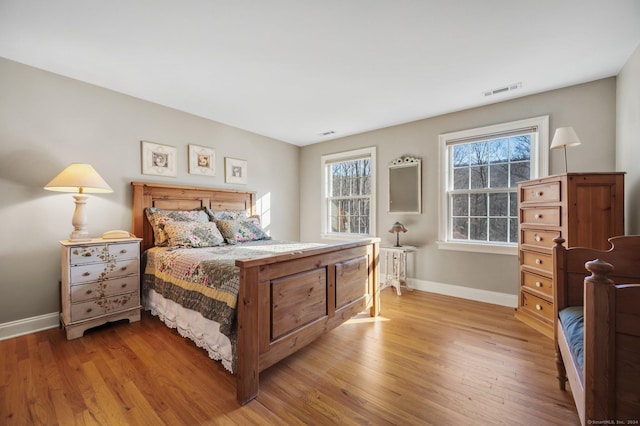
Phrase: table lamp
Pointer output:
(562, 138)
(397, 228)
(80, 178)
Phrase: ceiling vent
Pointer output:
(504, 89)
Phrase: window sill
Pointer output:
(478, 248)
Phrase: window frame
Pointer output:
(539, 166)
(325, 160)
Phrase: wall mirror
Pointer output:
(405, 185)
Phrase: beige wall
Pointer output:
(628, 138)
(589, 108)
(48, 121)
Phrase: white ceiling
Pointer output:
(293, 69)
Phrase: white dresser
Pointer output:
(100, 283)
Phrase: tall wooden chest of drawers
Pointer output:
(583, 208)
(100, 283)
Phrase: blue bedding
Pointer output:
(572, 321)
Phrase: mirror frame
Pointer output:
(405, 162)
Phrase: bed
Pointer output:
(286, 297)
(597, 329)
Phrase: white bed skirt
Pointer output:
(192, 325)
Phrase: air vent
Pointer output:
(507, 88)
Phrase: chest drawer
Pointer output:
(123, 251)
(97, 271)
(539, 261)
(539, 238)
(537, 306)
(547, 216)
(88, 291)
(541, 193)
(79, 255)
(537, 283)
(93, 308)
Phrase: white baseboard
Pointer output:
(52, 320)
(29, 325)
(502, 299)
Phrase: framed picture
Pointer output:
(235, 170)
(158, 159)
(202, 160)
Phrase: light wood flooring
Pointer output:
(428, 359)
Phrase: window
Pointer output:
(348, 194)
(480, 171)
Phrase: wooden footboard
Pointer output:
(610, 386)
(288, 301)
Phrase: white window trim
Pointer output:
(539, 167)
(346, 155)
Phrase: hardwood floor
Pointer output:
(428, 359)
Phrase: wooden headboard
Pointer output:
(178, 197)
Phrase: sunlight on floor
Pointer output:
(365, 319)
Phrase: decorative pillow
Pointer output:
(158, 218)
(235, 231)
(216, 215)
(229, 229)
(192, 234)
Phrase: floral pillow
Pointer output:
(158, 219)
(192, 234)
(236, 231)
(229, 229)
(216, 215)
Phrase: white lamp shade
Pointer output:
(80, 178)
(564, 136)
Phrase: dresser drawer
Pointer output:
(547, 216)
(537, 283)
(538, 238)
(123, 251)
(94, 308)
(539, 261)
(79, 255)
(96, 271)
(541, 193)
(88, 291)
(537, 306)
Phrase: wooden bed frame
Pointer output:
(285, 301)
(609, 387)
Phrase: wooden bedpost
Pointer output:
(560, 301)
(599, 341)
(374, 284)
(248, 373)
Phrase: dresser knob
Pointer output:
(539, 307)
(538, 262)
(89, 291)
(124, 285)
(86, 274)
(538, 238)
(89, 310)
(538, 284)
(123, 251)
(538, 216)
(124, 268)
(539, 194)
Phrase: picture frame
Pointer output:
(159, 159)
(235, 170)
(202, 160)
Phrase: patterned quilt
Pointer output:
(206, 279)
